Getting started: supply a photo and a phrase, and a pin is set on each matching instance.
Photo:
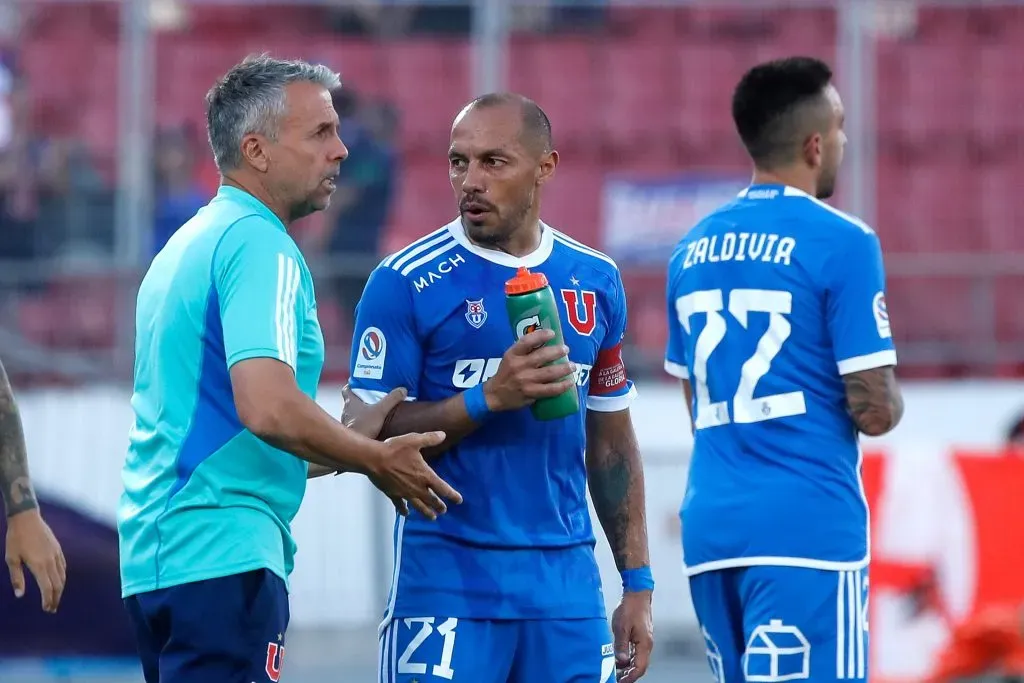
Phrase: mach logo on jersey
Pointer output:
(472, 371)
(443, 268)
(581, 310)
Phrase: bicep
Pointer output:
(874, 399)
(257, 384)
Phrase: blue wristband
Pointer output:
(476, 403)
(637, 580)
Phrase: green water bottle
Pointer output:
(531, 306)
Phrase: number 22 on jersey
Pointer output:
(742, 302)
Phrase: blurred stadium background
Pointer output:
(103, 155)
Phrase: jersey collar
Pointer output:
(787, 191)
(531, 260)
(237, 196)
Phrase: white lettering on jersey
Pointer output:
(443, 268)
(744, 246)
(472, 371)
(881, 313)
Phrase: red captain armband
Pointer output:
(609, 373)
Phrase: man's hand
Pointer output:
(522, 378)
(31, 543)
(403, 475)
(369, 419)
(633, 631)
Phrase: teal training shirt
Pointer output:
(203, 497)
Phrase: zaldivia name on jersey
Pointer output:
(743, 246)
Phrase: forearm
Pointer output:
(297, 424)
(449, 416)
(616, 480)
(15, 484)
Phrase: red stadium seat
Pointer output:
(639, 101)
(564, 77)
(429, 82)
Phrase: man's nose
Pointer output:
(473, 182)
(339, 152)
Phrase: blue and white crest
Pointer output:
(475, 313)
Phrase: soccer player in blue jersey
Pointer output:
(779, 331)
(506, 588)
(228, 357)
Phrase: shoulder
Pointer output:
(844, 224)
(252, 239)
(569, 249)
(419, 256)
(412, 263)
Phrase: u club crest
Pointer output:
(475, 313)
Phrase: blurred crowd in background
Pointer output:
(633, 92)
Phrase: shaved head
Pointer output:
(536, 127)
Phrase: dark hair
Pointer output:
(777, 104)
(536, 124)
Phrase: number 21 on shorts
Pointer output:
(424, 627)
(742, 302)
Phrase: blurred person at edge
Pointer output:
(229, 353)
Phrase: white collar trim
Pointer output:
(531, 260)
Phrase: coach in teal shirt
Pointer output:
(204, 497)
(228, 356)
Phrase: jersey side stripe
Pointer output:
(416, 247)
(447, 246)
(582, 248)
(396, 570)
(284, 308)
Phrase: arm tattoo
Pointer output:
(15, 485)
(874, 400)
(616, 480)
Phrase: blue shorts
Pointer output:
(442, 649)
(765, 624)
(226, 630)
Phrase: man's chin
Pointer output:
(479, 229)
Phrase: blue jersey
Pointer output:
(771, 300)
(432, 319)
(203, 497)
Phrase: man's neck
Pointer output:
(523, 241)
(790, 177)
(257, 190)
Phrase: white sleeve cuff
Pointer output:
(677, 370)
(371, 396)
(869, 361)
(611, 404)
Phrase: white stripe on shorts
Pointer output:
(851, 651)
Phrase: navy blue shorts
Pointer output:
(226, 630)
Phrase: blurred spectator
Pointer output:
(1015, 436)
(353, 226)
(177, 195)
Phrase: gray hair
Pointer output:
(250, 99)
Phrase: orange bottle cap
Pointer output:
(525, 282)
